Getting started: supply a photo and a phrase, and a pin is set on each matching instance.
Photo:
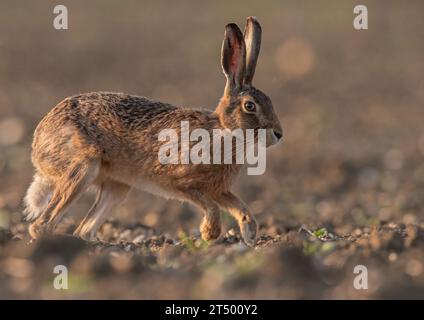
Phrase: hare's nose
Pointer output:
(278, 134)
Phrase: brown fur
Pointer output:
(110, 141)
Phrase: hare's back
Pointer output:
(97, 122)
(102, 117)
(123, 110)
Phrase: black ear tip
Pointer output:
(231, 27)
(254, 20)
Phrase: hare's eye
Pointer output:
(249, 106)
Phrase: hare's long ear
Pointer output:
(252, 39)
(233, 58)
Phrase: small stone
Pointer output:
(274, 231)
(139, 239)
(125, 233)
(231, 233)
(393, 256)
(357, 232)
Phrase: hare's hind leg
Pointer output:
(110, 194)
(67, 189)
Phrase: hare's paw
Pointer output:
(210, 230)
(249, 230)
(38, 229)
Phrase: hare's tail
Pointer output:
(37, 197)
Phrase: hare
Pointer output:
(109, 141)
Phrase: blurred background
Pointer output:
(351, 105)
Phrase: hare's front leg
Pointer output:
(239, 210)
(210, 228)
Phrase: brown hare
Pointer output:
(109, 141)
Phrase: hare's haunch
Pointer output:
(109, 141)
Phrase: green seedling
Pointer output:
(193, 245)
(320, 233)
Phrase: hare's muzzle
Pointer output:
(276, 135)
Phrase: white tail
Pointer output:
(37, 197)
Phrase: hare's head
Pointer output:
(242, 105)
